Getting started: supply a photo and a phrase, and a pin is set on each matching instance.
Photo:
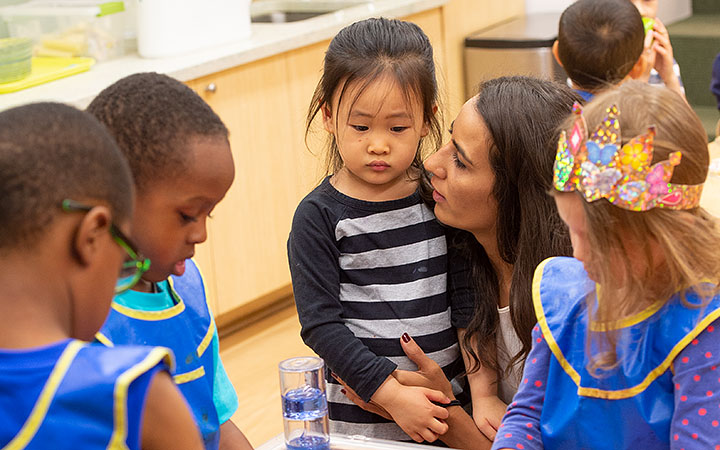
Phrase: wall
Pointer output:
(669, 11)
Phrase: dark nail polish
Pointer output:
(406, 338)
(343, 391)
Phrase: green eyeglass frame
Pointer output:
(133, 269)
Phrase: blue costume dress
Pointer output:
(187, 328)
(75, 395)
(631, 406)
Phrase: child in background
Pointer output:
(180, 157)
(662, 69)
(600, 44)
(66, 194)
(367, 257)
(626, 347)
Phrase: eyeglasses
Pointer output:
(134, 266)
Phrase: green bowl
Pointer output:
(15, 59)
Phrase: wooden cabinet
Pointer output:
(264, 104)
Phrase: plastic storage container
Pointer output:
(70, 28)
(519, 47)
(15, 59)
(173, 27)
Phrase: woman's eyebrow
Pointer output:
(461, 151)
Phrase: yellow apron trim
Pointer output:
(207, 339)
(189, 376)
(104, 340)
(542, 321)
(37, 415)
(150, 315)
(602, 393)
(120, 431)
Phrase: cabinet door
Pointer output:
(250, 226)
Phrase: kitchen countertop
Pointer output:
(266, 40)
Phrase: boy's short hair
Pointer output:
(50, 152)
(599, 41)
(152, 117)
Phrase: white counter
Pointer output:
(266, 40)
(339, 442)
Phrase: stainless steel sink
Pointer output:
(284, 11)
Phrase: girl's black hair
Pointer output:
(523, 116)
(367, 50)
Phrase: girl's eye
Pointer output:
(459, 164)
(187, 219)
(359, 127)
(398, 129)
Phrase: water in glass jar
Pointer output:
(305, 413)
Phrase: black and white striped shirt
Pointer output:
(363, 274)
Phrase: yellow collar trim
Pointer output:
(119, 436)
(37, 415)
(153, 315)
(627, 321)
(575, 376)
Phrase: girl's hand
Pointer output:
(367, 406)
(487, 414)
(413, 410)
(429, 373)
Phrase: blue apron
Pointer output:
(87, 401)
(630, 406)
(187, 329)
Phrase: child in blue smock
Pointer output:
(65, 212)
(180, 158)
(626, 346)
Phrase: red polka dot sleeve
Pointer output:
(696, 421)
(520, 428)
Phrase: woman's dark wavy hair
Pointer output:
(523, 116)
(365, 52)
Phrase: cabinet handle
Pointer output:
(212, 88)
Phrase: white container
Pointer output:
(173, 27)
(94, 28)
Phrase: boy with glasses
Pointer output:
(66, 206)
(180, 158)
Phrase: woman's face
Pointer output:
(462, 177)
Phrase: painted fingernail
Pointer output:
(332, 374)
(343, 391)
(406, 338)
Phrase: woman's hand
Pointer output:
(487, 414)
(429, 373)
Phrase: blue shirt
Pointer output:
(224, 396)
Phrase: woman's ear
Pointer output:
(327, 118)
(92, 234)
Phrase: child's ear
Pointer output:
(92, 234)
(425, 130)
(640, 70)
(327, 118)
(555, 53)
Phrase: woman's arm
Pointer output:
(520, 426)
(488, 409)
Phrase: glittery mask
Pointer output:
(599, 168)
